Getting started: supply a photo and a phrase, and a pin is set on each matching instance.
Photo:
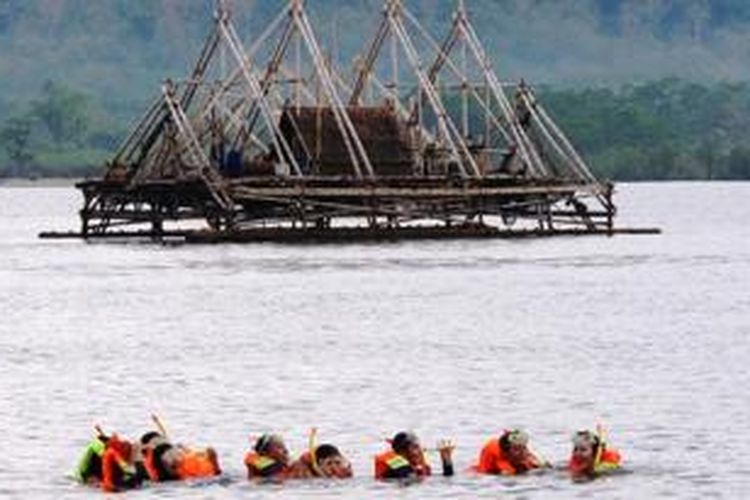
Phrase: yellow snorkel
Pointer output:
(312, 445)
(159, 424)
(600, 447)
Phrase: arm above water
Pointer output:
(446, 448)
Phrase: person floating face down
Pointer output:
(118, 466)
(164, 461)
(328, 462)
(508, 455)
(591, 457)
(269, 458)
(406, 459)
(145, 458)
(89, 469)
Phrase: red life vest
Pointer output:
(150, 466)
(117, 471)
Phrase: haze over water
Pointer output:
(646, 334)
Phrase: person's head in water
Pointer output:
(151, 439)
(585, 447)
(332, 463)
(407, 445)
(514, 444)
(272, 446)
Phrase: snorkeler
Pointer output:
(118, 466)
(269, 458)
(406, 459)
(324, 461)
(591, 457)
(168, 462)
(508, 455)
(164, 461)
(89, 469)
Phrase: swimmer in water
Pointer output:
(328, 462)
(269, 458)
(406, 459)
(508, 455)
(591, 457)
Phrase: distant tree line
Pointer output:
(661, 130)
(667, 129)
(61, 133)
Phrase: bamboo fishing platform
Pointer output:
(420, 140)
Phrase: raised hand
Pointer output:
(446, 447)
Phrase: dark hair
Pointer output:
(161, 471)
(401, 441)
(595, 441)
(263, 443)
(149, 436)
(325, 451)
(505, 442)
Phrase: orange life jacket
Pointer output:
(492, 460)
(391, 465)
(195, 464)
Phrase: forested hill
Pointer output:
(126, 46)
(647, 89)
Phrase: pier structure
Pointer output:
(272, 139)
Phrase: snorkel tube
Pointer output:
(159, 424)
(312, 444)
(600, 436)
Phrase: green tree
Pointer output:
(63, 113)
(14, 138)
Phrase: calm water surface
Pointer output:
(649, 334)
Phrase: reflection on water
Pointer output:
(453, 339)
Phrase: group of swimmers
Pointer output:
(115, 464)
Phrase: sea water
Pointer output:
(648, 335)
